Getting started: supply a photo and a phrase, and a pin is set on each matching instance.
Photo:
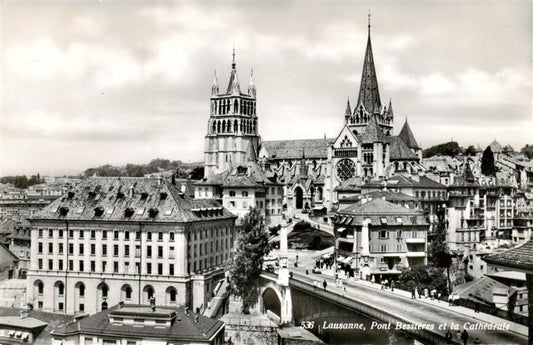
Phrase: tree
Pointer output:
(470, 151)
(252, 245)
(487, 163)
(527, 151)
(508, 149)
(447, 149)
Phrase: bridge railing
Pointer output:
(237, 321)
(339, 298)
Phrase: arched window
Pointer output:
(126, 292)
(235, 126)
(148, 292)
(40, 287)
(61, 289)
(171, 295)
(81, 290)
(214, 129)
(223, 126)
(236, 106)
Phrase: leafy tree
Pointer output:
(508, 149)
(252, 245)
(470, 151)
(447, 149)
(423, 277)
(527, 151)
(316, 243)
(487, 163)
(301, 225)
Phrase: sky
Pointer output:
(89, 83)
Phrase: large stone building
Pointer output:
(127, 239)
(311, 170)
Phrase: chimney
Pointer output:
(363, 201)
(120, 304)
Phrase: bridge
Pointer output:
(421, 320)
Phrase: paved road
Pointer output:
(413, 310)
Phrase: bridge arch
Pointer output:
(271, 300)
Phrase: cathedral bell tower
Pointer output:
(232, 133)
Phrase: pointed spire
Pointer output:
(252, 91)
(251, 154)
(391, 112)
(233, 85)
(214, 87)
(369, 90)
(408, 137)
(348, 111)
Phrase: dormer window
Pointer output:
(128, 212)
(120, 195)
(92, 195)
(70, 195)
(144, 196)
(63, 211)
(163, 196)
(152, 213)
(99, 211)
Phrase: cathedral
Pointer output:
(311, 171)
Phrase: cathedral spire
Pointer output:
(233, 85)
(390, 111)
(214, 87)
(368, 90)
(251, 88)
(348, 111)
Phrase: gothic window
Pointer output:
(235, 106)
(346, 142)
(224, 126)
(235, 126)
(345, 169)
(214, 127)
(218, 126)
(242, 126)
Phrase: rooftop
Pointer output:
(185, 325)
(296, 149)
(519, 258)
(130, 199)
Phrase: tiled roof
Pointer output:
(407, 136)
(372, 132)
(380, 207)
(404, 181)
(351, 184)
(17, 321)
(293, 149)
(130, 199)
(184, 326)
(479, 290)
(248, 174)
(520, 257)
(399, 150)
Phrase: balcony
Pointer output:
(415, 254)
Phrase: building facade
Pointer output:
(127, 239)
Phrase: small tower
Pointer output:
(347, 112)
(232, 131)
(251, 88)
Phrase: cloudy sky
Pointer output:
(89, 83)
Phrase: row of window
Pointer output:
(115, 233)
(127, 250)
(150, 269)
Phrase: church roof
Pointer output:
(373, 132)
(369, 90)
(248, 174)
(399, 150)
(407, 136)
(293, 149)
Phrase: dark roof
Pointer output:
(520, 257)
(407, 136)
(248, 174)
(148, 199)
(293, 149)
(479, 290)
(184, 326)
(386, 194)
(399, 150)
(373, 132)
(380, 212)
(368, 89)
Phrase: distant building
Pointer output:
(127, 239)
(376, 238)
(9, 263)
(244, 186)
(141, 324)
(17, 237)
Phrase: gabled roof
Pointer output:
(407, 136)
(292, 149)
(399, 150)
(379, 206)
(129, 199)
(368, 89)
(373, 132)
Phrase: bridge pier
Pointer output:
(283, 278)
